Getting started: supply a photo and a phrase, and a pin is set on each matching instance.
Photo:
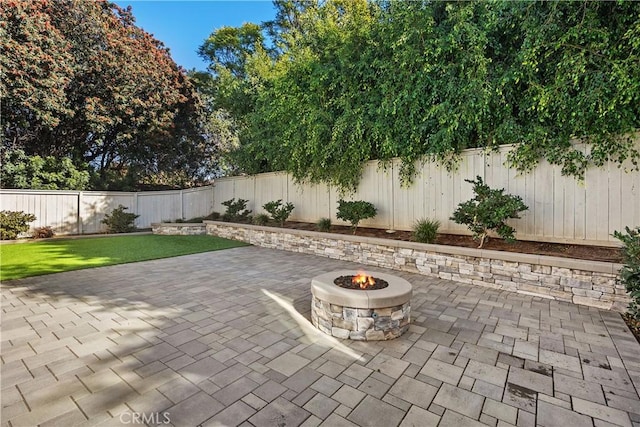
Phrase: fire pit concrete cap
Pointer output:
(397, 293)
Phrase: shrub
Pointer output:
(236, 211)
(630, 272)
(261, 219)
(13, 223)
(355, 211)
(43, 233)
(323, 224)
(426, 230)
(194, 220)
(120, 221)
(213, 216)
(278, 211)
(488, 210)
(20, 170)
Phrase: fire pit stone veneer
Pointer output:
(367, 315)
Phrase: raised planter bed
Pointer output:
(179, 228)
(591, 283)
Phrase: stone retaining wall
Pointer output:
(583, 282)
(179, 229)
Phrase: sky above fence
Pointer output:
(184, 25)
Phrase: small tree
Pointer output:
(120, 221)
(278, 211)
(630, 272)
(355, 211)
(236, 211)
(488, 210)
(13, 223)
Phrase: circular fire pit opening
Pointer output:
(361, 282)
(361, 312)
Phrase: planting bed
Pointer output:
(586, 252)
(586, 282)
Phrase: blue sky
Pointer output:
(184, 25)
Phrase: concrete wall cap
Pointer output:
(397, 293)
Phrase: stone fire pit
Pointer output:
(367, 315)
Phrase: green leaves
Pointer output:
(630, 272)
(236, 210)
(278, 211)
(38, 173)
(488, 210)
(81, 81)
(13, 223)
(119, 221)
(426, 230)
(354, 81)
(355, 211)
(229, 47)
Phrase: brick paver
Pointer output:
(224, 338)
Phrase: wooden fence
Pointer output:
(81, 212)
(561, 209)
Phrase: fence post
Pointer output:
(182, 204)
(392, 201)
(78, 214)
(135, 202)
(213, 198)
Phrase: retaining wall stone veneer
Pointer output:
(179, 229)
(590, 283)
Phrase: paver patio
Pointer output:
(224, 338)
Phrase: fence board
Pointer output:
(245, 185)
(629, 200)
(223, 190)
(197, 202)
(270, 187)
(311, 201)
(159, 206)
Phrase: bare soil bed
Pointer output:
(592, 253)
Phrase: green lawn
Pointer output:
(53, 256)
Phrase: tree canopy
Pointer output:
(81, 81)
(37, 173)
(329, 85)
